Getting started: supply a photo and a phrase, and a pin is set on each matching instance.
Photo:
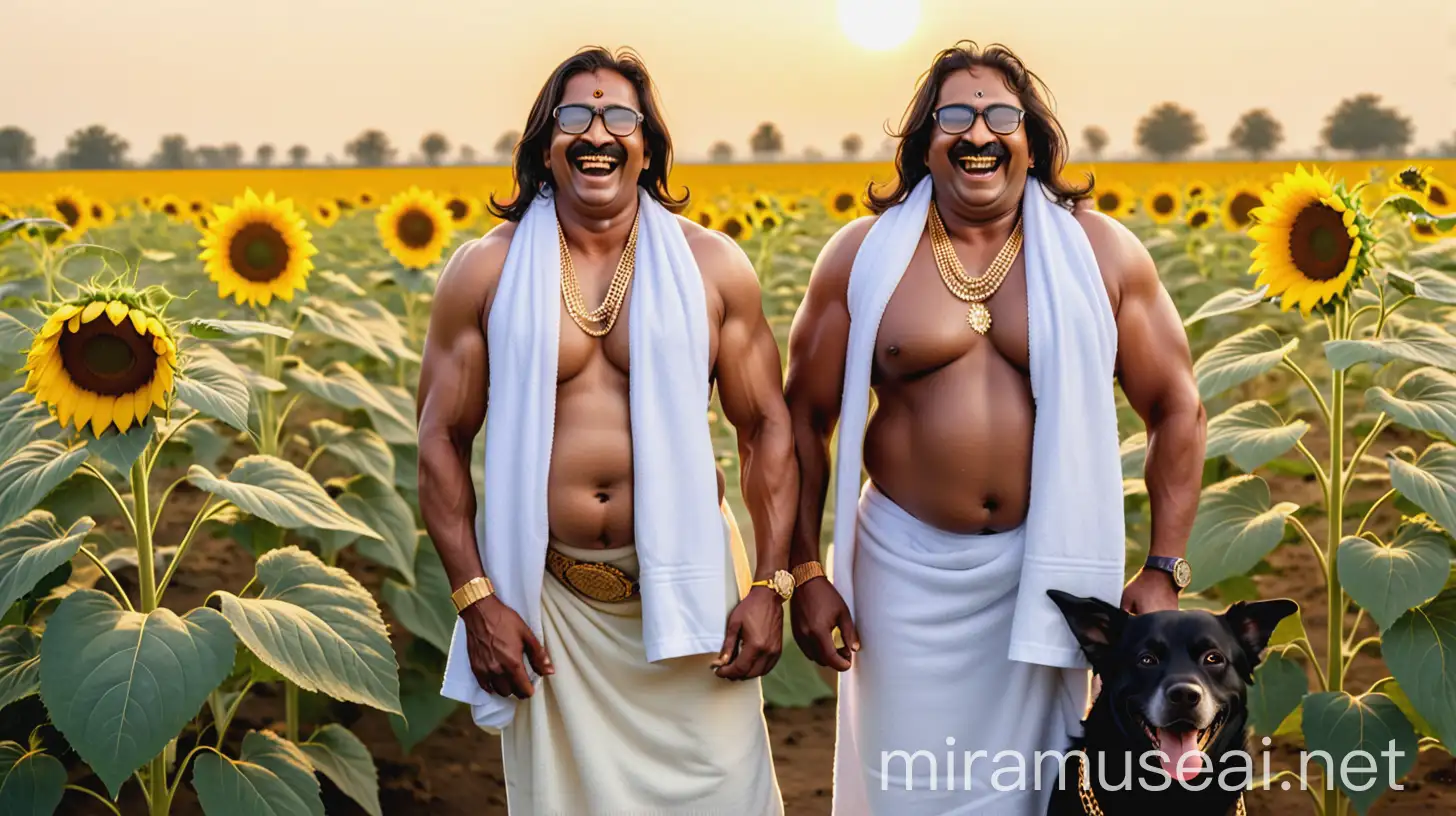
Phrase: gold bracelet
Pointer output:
(807, 570)
(475, 589)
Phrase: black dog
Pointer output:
(1172, 682)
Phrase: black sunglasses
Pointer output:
(1000, 119)
(577, 119)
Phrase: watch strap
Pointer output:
(807, 570)
(1168, 564)
(473, 590)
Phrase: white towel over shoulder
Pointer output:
(678, 527)
(1075, 528)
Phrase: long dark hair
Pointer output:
(529, 168)
(1044, 133)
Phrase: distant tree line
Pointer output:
(1361, 126)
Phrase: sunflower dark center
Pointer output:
(258, 253)
(1107, 202)
(1437, 196)
(169, 209)
(1198, 219)
(843, 202)
(732, 228)
(1318, 243)
(415, 229)
(769, 222)
(106, 359)
(1195, 192)
(1162, 204)
(197, 206)
(96, 211)
(1241, 206)
(457, 209)
(705, 219)
(1424, 228)
(70, 213)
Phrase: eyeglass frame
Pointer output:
(597, 110)
(977, 113)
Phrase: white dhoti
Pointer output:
(932, 698)
(610, 734)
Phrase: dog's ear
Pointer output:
(1096, 623)
(1253, 623)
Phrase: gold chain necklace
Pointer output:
(605, 315)
(1089, 800)
(977, 290)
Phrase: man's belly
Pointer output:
(589, 490)
(954, 449)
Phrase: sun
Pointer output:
(877, 25)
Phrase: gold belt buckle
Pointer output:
(600, 582)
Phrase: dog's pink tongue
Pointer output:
(1176, 745)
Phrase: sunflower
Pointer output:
(71, 206)
(1197, 189)
(736, 225)
(147, 201)
(769, 220)
(1424, 231)
(415, 227)
(842, 203)
(366, 199)
(197, 206)
(325, 212)
(463, 210)
(257, 249)
(1313, 241)
(1115, 200)
(1200, 217)
(7, 212)
(172, 207)
(1413, 180)
(1240, 200)
(1163, 203)
(102, 214)
(103, 359)
(704, 215)
(1440, 197)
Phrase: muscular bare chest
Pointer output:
(924, 326)
(578, 351)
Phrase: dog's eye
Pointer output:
(1213, 659)
(1147, 659)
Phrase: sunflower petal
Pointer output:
(117, 311)
(138, 321)
(85, 407)
(66, 406)
(102, 415)
(74, 325)
(123, 412)
(66, 312)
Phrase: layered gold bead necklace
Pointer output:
(975, 291)
(599, 321)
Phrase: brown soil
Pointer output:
(457, 770)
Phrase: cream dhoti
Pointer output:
(932, 698)
(610, 733)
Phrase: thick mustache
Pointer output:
(964, 150)
(610, 149)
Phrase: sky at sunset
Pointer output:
(320, 71)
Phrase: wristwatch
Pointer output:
(1178, 568)
(781, 582)
(473, 590)
(807, 570)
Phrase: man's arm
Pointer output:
(750, 390)
(1155, 370)
(818, 344)
(454, 378)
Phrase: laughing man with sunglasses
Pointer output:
(610, 628)
(989, 311)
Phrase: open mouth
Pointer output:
(1181, 743)
(595, 164)
(980, 167)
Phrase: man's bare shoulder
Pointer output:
(469, 279)
(1122, 259)
(724, 265)
(836, 258)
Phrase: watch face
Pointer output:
(1182, 573)
(784, 584)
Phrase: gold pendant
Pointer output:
(979, 317)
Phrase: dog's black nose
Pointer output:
(1185, 695)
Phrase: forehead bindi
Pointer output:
(961, 87)
(599, 90)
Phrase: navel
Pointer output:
(893, 351)
(603, 497)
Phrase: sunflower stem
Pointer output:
(290, 708)
(1335, 509)
(1380, 324)
(1288, 362)
(90, 470)
(98, 797)
(182, 547)
(167, 437)
(160, 798)
(1381, 423)
(120, 593)
(1368, 513)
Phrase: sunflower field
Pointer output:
(208, 491)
